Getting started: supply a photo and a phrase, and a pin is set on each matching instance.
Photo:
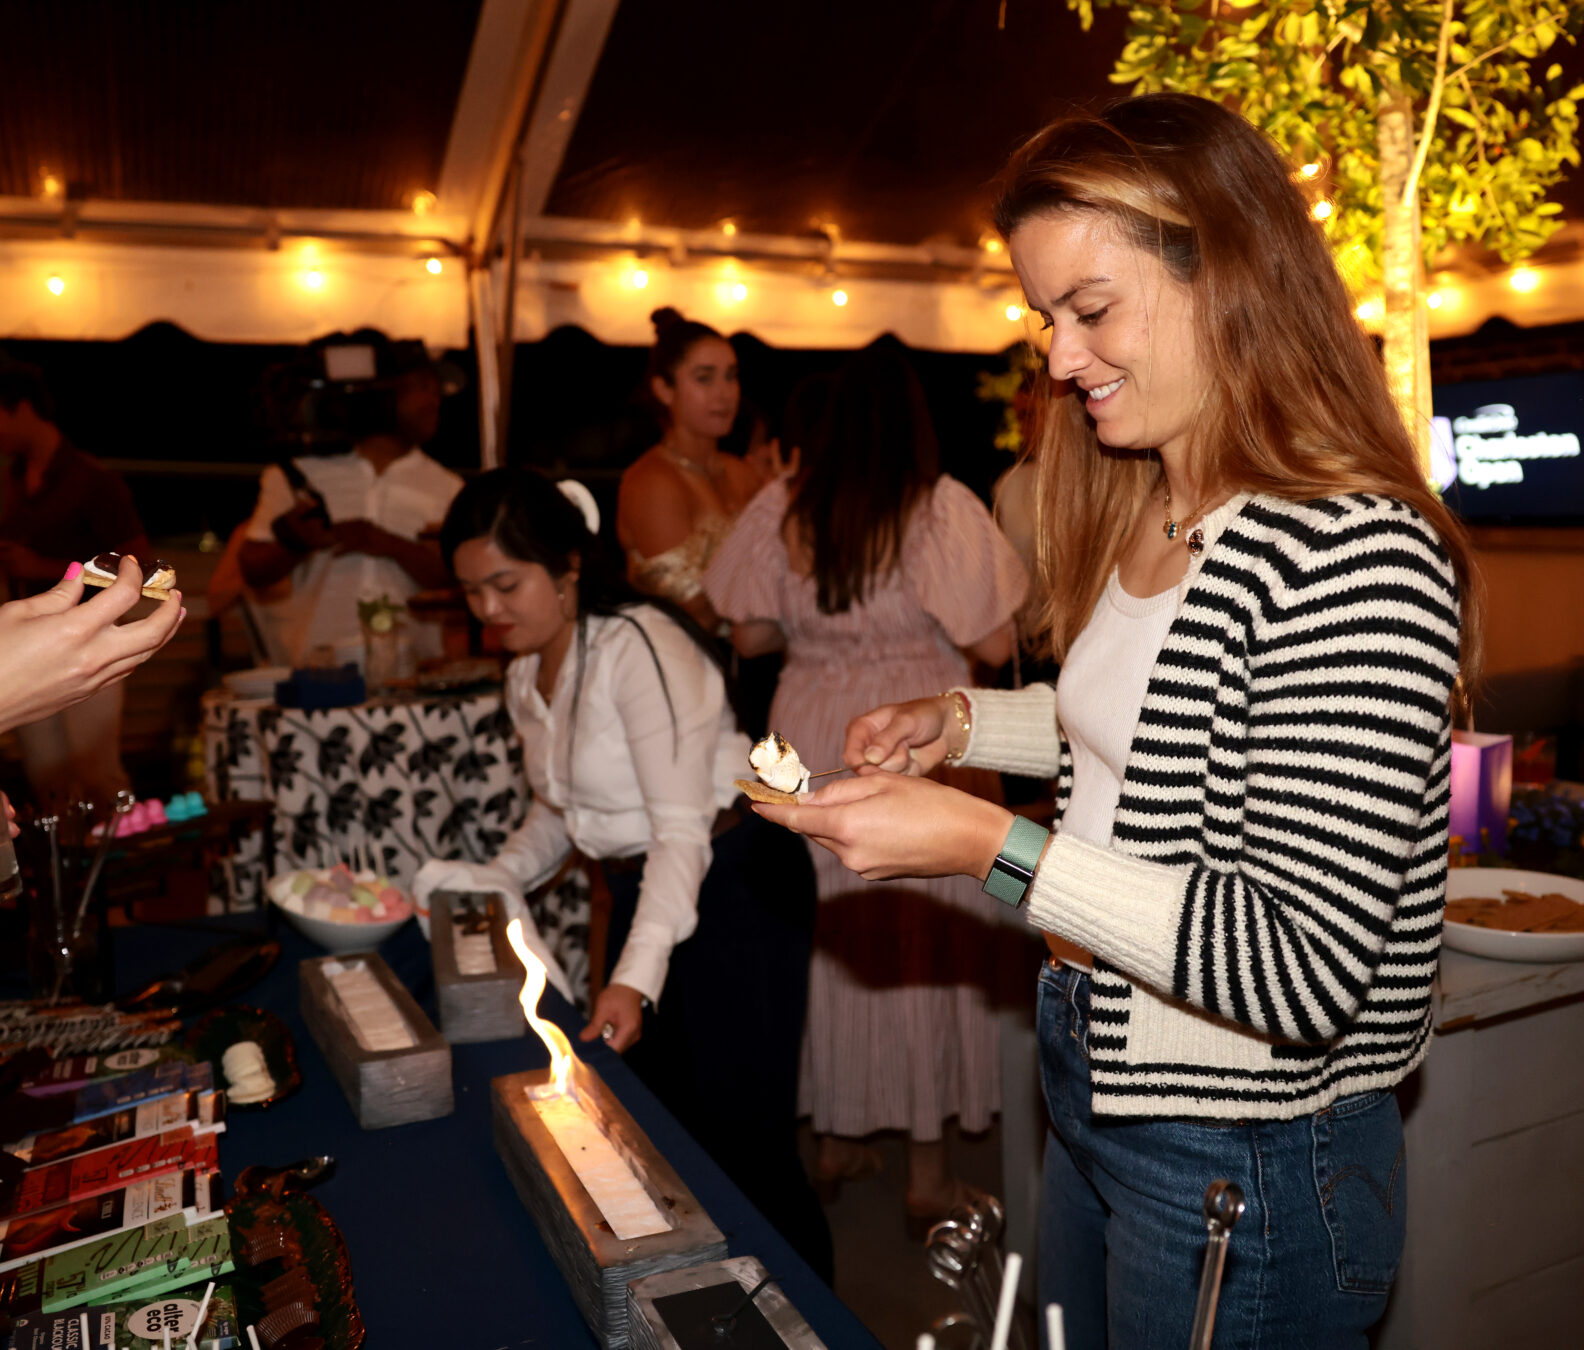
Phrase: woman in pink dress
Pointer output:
(878, 574)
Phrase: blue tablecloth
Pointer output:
(443, 1252)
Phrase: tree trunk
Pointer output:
(1405, 330)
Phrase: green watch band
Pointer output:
(1014, 866)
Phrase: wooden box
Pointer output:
(647, 1330)
(383, 1087)
(480, 1007)
(597, 1265)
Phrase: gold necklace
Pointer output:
(684, 462)
(1171, 528)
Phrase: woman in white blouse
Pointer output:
(630, 747)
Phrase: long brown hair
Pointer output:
(1298, 405)
(872, 458)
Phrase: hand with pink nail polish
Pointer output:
(55, 651)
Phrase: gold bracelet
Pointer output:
(960, 706)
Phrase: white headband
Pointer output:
(583, 499)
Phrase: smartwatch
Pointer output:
(1013, 869)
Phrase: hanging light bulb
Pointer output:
(55, 285)
(1321, 210)
(313, 279)
(1524, 280)
(1435, 299)
(639, 278)
(423, 203)
(739, 291)
(434, 267)
(1014, 313)
(838, 298)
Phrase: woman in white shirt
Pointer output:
(630, 747)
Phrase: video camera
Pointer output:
(346, 386)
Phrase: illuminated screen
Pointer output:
(1509, 450)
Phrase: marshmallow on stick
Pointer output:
(158, 580)
(782, 777)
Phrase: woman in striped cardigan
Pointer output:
(1262, 611)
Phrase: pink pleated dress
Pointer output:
(901, 1025)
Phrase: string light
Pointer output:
(639, 278)
(1321, 210)
(838, 298)
(739, 291)
(1309, 171)
(1524, 280)
(992, 244)
(423, 203)
(1435, 299)
(55, 285)
(313, 279)
(51, 185)
(1014, 312)
(1371, 311)
(434, 267)
(728, 227)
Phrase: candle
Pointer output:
(1009, 1285)
(925, 1342)
(252, 1337)
(610, 1181)
(86, 1343)
(1055, 1336)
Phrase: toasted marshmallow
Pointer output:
(778, 765)
(103, 570)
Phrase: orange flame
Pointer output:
(533, 988)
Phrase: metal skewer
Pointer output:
(1223, 1207)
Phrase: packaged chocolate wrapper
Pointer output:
(139, 1263)
(202, 1110)
(107, 1169)
(136, 1323)
(22, 1115)
(176, 1194)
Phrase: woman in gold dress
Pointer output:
(678, 498)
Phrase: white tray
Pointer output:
(1466, 882)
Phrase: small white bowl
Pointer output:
(342, 937)
(332, 936)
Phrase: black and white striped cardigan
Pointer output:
(1267, 920)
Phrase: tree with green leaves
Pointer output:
(1418, 125)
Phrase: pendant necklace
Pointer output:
(1171, 528)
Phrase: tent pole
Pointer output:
(481, 294)
(506, 339)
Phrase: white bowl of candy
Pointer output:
(341, 910)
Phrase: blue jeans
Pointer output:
(1122, 1233)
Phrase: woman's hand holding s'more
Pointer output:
(55, 652)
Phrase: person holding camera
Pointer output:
(349, 526)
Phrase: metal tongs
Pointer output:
(1223, 1207)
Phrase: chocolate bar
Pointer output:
(203, 1110)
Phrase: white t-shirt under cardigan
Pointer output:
(1102, 689)
(643, 773)
(1266, 922)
